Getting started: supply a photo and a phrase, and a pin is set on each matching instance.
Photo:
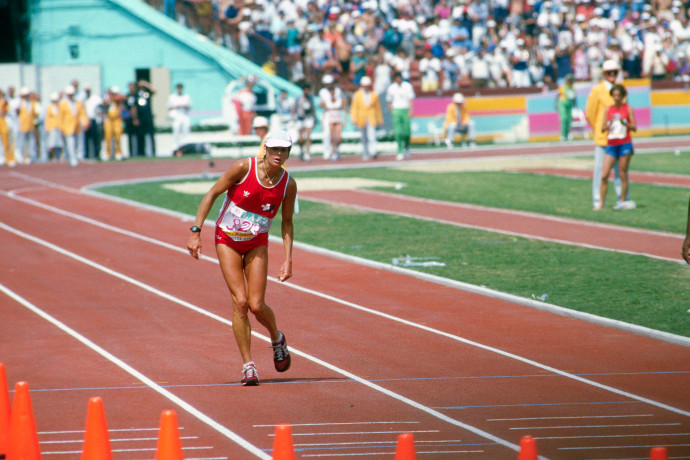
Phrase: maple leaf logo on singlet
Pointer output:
(266, 207)
(246, 193)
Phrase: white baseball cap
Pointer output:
(365, 81)
(458, 98)
(278, 139)
(327, 79)
(610, 64)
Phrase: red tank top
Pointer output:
(618, 132)
(249, 206)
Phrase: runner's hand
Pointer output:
(285, 271)
(194, 245)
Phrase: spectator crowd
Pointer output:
(448, 44)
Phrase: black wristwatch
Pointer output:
(195, 229)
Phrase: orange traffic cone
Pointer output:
(658, 453)
(169, 445)
(405, 449)
(96, 441)
(23, 436)
(528, 448)
(282, 444)
(5, 413)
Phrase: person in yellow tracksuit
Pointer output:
(72, 117)
(113, 124)
(51, 124)
(458, 120)
(366, 116)
(598, 102)
(7, 147)
(26, 114)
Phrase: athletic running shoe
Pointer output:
(625, 205)
(629, 204)
(281, 355)
(250, 375)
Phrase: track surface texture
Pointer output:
(100, 298)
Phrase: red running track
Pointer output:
(376, 353)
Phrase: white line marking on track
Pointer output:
(389, 454)
(590, 426)
(635, 435)
(334, 424)
(646, 446)
(347, 433)
(359, 443)
(72, 441)
(564, 418)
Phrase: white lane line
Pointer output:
(115, 451)
(390, 454)
(110, 430)
(565, 418)
(182, 403)
(365, 309)
(636, 435)
(129, 369)
(591, 426)
(336, 424)
(351, 433)
(488, 229)
(72, 441)
(646, 446)
(359, 443)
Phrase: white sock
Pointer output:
(280, 339)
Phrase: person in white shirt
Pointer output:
(332, 101)
(430, 67)
(399, 97)
(93, 104)
(179, 105)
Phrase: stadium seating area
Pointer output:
(446, 45)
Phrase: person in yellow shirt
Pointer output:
(7, 147)
(458, 120)
(112, 123)
(51, 124)
(598, 102)
(26, 114)
(366, 116)
(71, 116)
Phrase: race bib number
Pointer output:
(618, 130)
(241, 225)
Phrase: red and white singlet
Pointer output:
(249, 208)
